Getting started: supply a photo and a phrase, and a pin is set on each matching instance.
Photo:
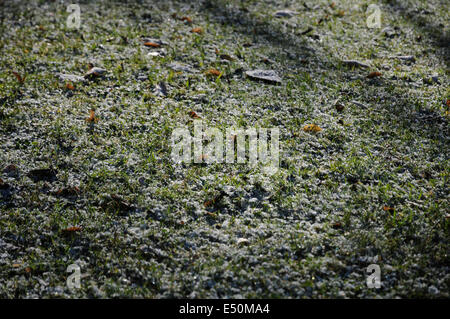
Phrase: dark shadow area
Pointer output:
(419, 21)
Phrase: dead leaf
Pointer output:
(213, 202)
(19, 77)
(92, 118)
(339, 107)
(213, 72)
(373, 74)
(336, 225)
(332, 5)
(152, 44)
(312, 128)
(187, 19)
(71, 230)
(226, 57)
(119, 203)
(197, 30)
(68, 191)
(70, 86)
(27, 269)
(388, 209)
(193, 115)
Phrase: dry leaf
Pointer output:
(197, 30)
(226, 57)
(72, 229)
(332, 5)
(152, 44)
(337, 225)
(388, 209)
(70, 86)
(374, 74)
(312, 128)
(339, 107)
(187, 19)
(68, 191)
(193, 115)
(213, 72)
(18, 77)
(27, 269)
(92, 118)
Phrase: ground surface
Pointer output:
(371, 187)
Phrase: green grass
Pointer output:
(313, 227)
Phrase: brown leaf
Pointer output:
(336, 225)
(27, 269)
(119, 203)
(92, 118)
(72, 229)
(374, 74)
(187, 19)
(312, 128)
(388, 209)
(193, 115)
(448, 102)
(68, 191)
(339, 107)
(197, 30)
(70, 86)
(213, 72)
(152, 44)
(18, 77)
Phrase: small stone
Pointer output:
(285, 13)
(433, 290)
(354, 63)
(265, 75)
(179, 67)
(70, 77)
(95, 72)
(242, 241)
